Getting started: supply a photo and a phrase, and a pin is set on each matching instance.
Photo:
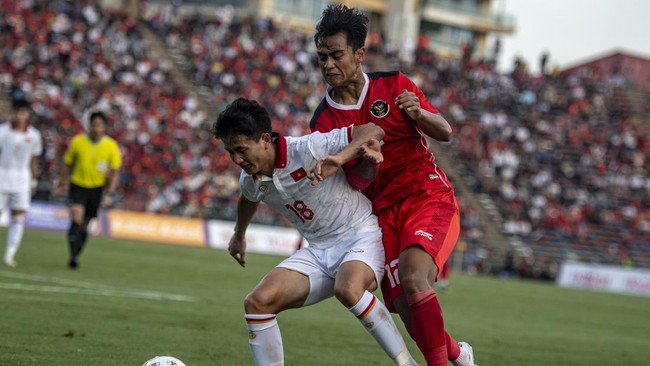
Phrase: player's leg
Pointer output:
(280, 290)
(14, 236)
(90, 212)
(428, 237)
(89, 201)
(297, 281)
(460, 353)
(18, 203)
(354, 282)
(77, 210)
(427, 326)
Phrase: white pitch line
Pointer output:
(87, 288)
(60, 281)
(97, 292)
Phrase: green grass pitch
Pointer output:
(130, 301)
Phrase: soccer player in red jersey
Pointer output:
(411, 195)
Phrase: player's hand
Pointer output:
(409, 103)
(371, 152)
(107, 201)
(59, 190)
(237, 249)
(323, 169)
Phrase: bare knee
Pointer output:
(417, 279)
(348, 293)
(417, 270)
(260, 302)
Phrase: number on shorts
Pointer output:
(392, 272)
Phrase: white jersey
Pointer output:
(16, 151)
(326, 214)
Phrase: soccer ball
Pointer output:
(164, 361)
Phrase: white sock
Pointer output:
(265, 339)
(379, 323)
(463, 357)
(14, 236)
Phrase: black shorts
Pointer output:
(90, 198)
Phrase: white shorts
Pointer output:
(15, 200)
(322, 265)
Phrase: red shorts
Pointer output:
(430, 219)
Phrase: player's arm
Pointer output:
(34, 168)
(362, 172)
(245, 211)
(113, 176)
(432, 124)
(66, 168)
(64, 180)
(113, 179)
(364, 143)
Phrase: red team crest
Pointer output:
(379, 108)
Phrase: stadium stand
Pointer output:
(558, 163)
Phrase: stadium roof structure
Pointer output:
(629, 64)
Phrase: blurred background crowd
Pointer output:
(555, 164)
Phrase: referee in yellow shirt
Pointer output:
(90, 172)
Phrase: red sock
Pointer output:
(453, 349)
(427, 327)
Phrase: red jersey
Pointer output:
(408, 164)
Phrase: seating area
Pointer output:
(563, 158)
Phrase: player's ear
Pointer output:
(360, 54)
(266, 137)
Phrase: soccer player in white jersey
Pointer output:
(345, 256)
(20, 146)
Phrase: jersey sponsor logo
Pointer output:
(433, 176)
(298, 174)
(425, 234)
(379, 108)
(355, 250)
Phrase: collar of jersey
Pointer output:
(280, 154)
(13, 127)
(362, 97)
(91, 140)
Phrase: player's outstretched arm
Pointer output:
(237, 247)
(361, 136)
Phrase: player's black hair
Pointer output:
(97, 114)
(21, 103)
(243, 117)
(339, 18)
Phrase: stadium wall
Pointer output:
(165, 229)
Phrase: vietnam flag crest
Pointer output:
(298, 174)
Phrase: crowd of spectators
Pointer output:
(70, 58)
(561, 156)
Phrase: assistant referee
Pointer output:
(90, 175)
